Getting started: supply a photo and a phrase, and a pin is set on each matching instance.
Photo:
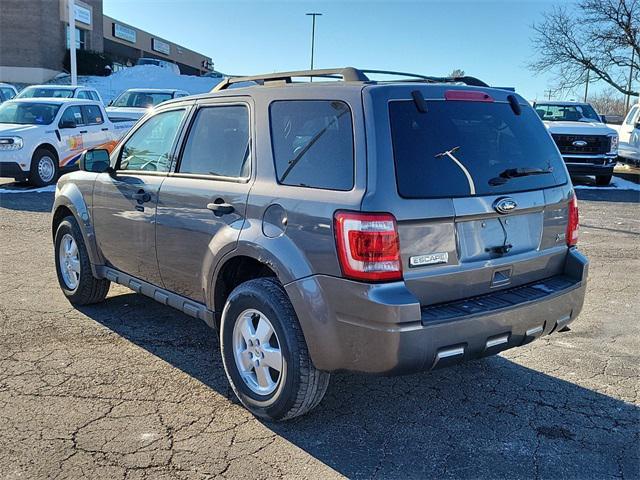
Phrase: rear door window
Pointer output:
(92, 114)
(218, 143)
(313, 143)
(73, 114)
(432, 150)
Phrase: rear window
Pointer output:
(487, 139)
(313, 143)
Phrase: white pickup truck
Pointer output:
(587, 145)
(42, 137)
(136, 102)
(629, 132)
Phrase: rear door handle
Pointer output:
(83, 131)
(141, 196)
(220, 209)
(105, 129)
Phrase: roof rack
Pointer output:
(347, 74)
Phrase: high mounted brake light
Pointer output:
(573, 223)
(467, 95)
(368, 246)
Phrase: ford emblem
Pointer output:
(505, 205)
(579, 143)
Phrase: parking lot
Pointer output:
(133, 389)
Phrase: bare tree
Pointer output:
(607, 102)
(457, 73)
(596, 42)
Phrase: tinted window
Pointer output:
(94, 96)
(141, 99)
(84, 95)
(218, 143)
(33, 92)
(487, 139)
(631, 115)
(7, 93)
(28, 113)
(92, 114)
(150, 146)
(567, 113)
(313, 143)
(72, 114)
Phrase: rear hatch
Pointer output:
(477, 186)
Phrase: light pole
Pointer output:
(313, 34)
(72, 42)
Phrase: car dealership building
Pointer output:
(34, 39)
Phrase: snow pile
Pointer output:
(146, 76)
(617, 183)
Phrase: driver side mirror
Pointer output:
(96, 161)
(67, 124)
(110, 103)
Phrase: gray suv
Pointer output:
(340, 225)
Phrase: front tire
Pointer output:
(603, 180)
(265, 355)
(44, 168)
(73, 267)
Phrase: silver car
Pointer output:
(349, 225)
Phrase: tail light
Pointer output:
(573, 223)
(368, 246)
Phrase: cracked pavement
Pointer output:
(132, 389)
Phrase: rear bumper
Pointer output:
(382, 328)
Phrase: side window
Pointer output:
(631, 116)
(92, 114)
(7, 93)
(149, 147)
(312, 143)
(179, 95)
(84, 95)
(72, 114)
(218, 143)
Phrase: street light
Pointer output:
(313, 34)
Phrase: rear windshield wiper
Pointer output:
(505, 175)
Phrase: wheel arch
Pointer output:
(70, 201)
(50, 148)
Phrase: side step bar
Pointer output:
(160, 295)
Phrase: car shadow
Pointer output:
(27, 198)
(491, 418)
(602, 194)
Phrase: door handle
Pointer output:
(221, 208)
(141, 196)
(83, 131)
(105, 129)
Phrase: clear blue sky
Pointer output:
(487, 39)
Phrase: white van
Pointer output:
(159, 63)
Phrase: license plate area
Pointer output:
(482, 239)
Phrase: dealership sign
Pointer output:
(82, 14)
(125, 33)
(160, 46)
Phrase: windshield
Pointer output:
(39, 92)
(28, 113)
(459, 148)
(566, 113)
(141, 99)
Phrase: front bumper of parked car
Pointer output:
(382, 328)
(590, 164)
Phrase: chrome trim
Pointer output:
(494, 342)
(450, 352)
(532, 332)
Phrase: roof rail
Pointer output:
(348, 74)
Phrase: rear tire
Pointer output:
(603, 180)
(44, 168)
(74, 268)
(261, 308)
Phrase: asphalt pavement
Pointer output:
(133, 389)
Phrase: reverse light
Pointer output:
(11, 143)
(368, 246)
(573, 223)
(613, 143)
